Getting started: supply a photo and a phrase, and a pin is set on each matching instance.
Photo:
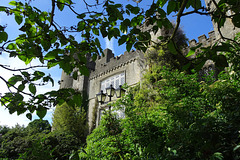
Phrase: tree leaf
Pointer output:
(185, 67)
(129, 46)
(77, 99)
(236, 148)
(236, 20)
(84, 70)
(41, 112)
(18, 19)
(12, 46)
(29, 116)
(3, 36)
(52, 54)
(103, 31)
(39, 73)
(60, 4)
(14, 79)
(200, 65)
(172, 48)
(190, 53)
(13, 3)
(32, 88)
(21, 87)
(95, 31)
(75, 75)
(81, 25)
(122, 40)
(221, 61)
(81, 16)
(171, 6)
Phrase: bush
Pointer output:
(172, 116)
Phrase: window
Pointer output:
(119, 113)
(115, 81)
(101, 111)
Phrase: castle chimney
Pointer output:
(107, 55)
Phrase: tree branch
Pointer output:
(52, 13)
(16, 87)
(31, 67)
(179, 15)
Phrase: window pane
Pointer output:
(115, 81)
(122, 81)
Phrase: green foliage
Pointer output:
(51, 146)
(13, 142)
(233, 59)
(71, 119)
(38, 126)
(172, 116)
(36, 141)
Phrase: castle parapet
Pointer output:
(204, 40)
(201, 40)
(109, 62)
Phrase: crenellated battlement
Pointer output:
(107, 63)
(201, 40)
(204, 40)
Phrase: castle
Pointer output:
(127, 68)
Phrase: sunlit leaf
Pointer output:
(12, 46)
(13, 3)
(190, 53)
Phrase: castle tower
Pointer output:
(228, 30)
(66, 80)
(80, 84)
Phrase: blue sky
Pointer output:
(193, 26)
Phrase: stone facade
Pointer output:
(131, 64)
